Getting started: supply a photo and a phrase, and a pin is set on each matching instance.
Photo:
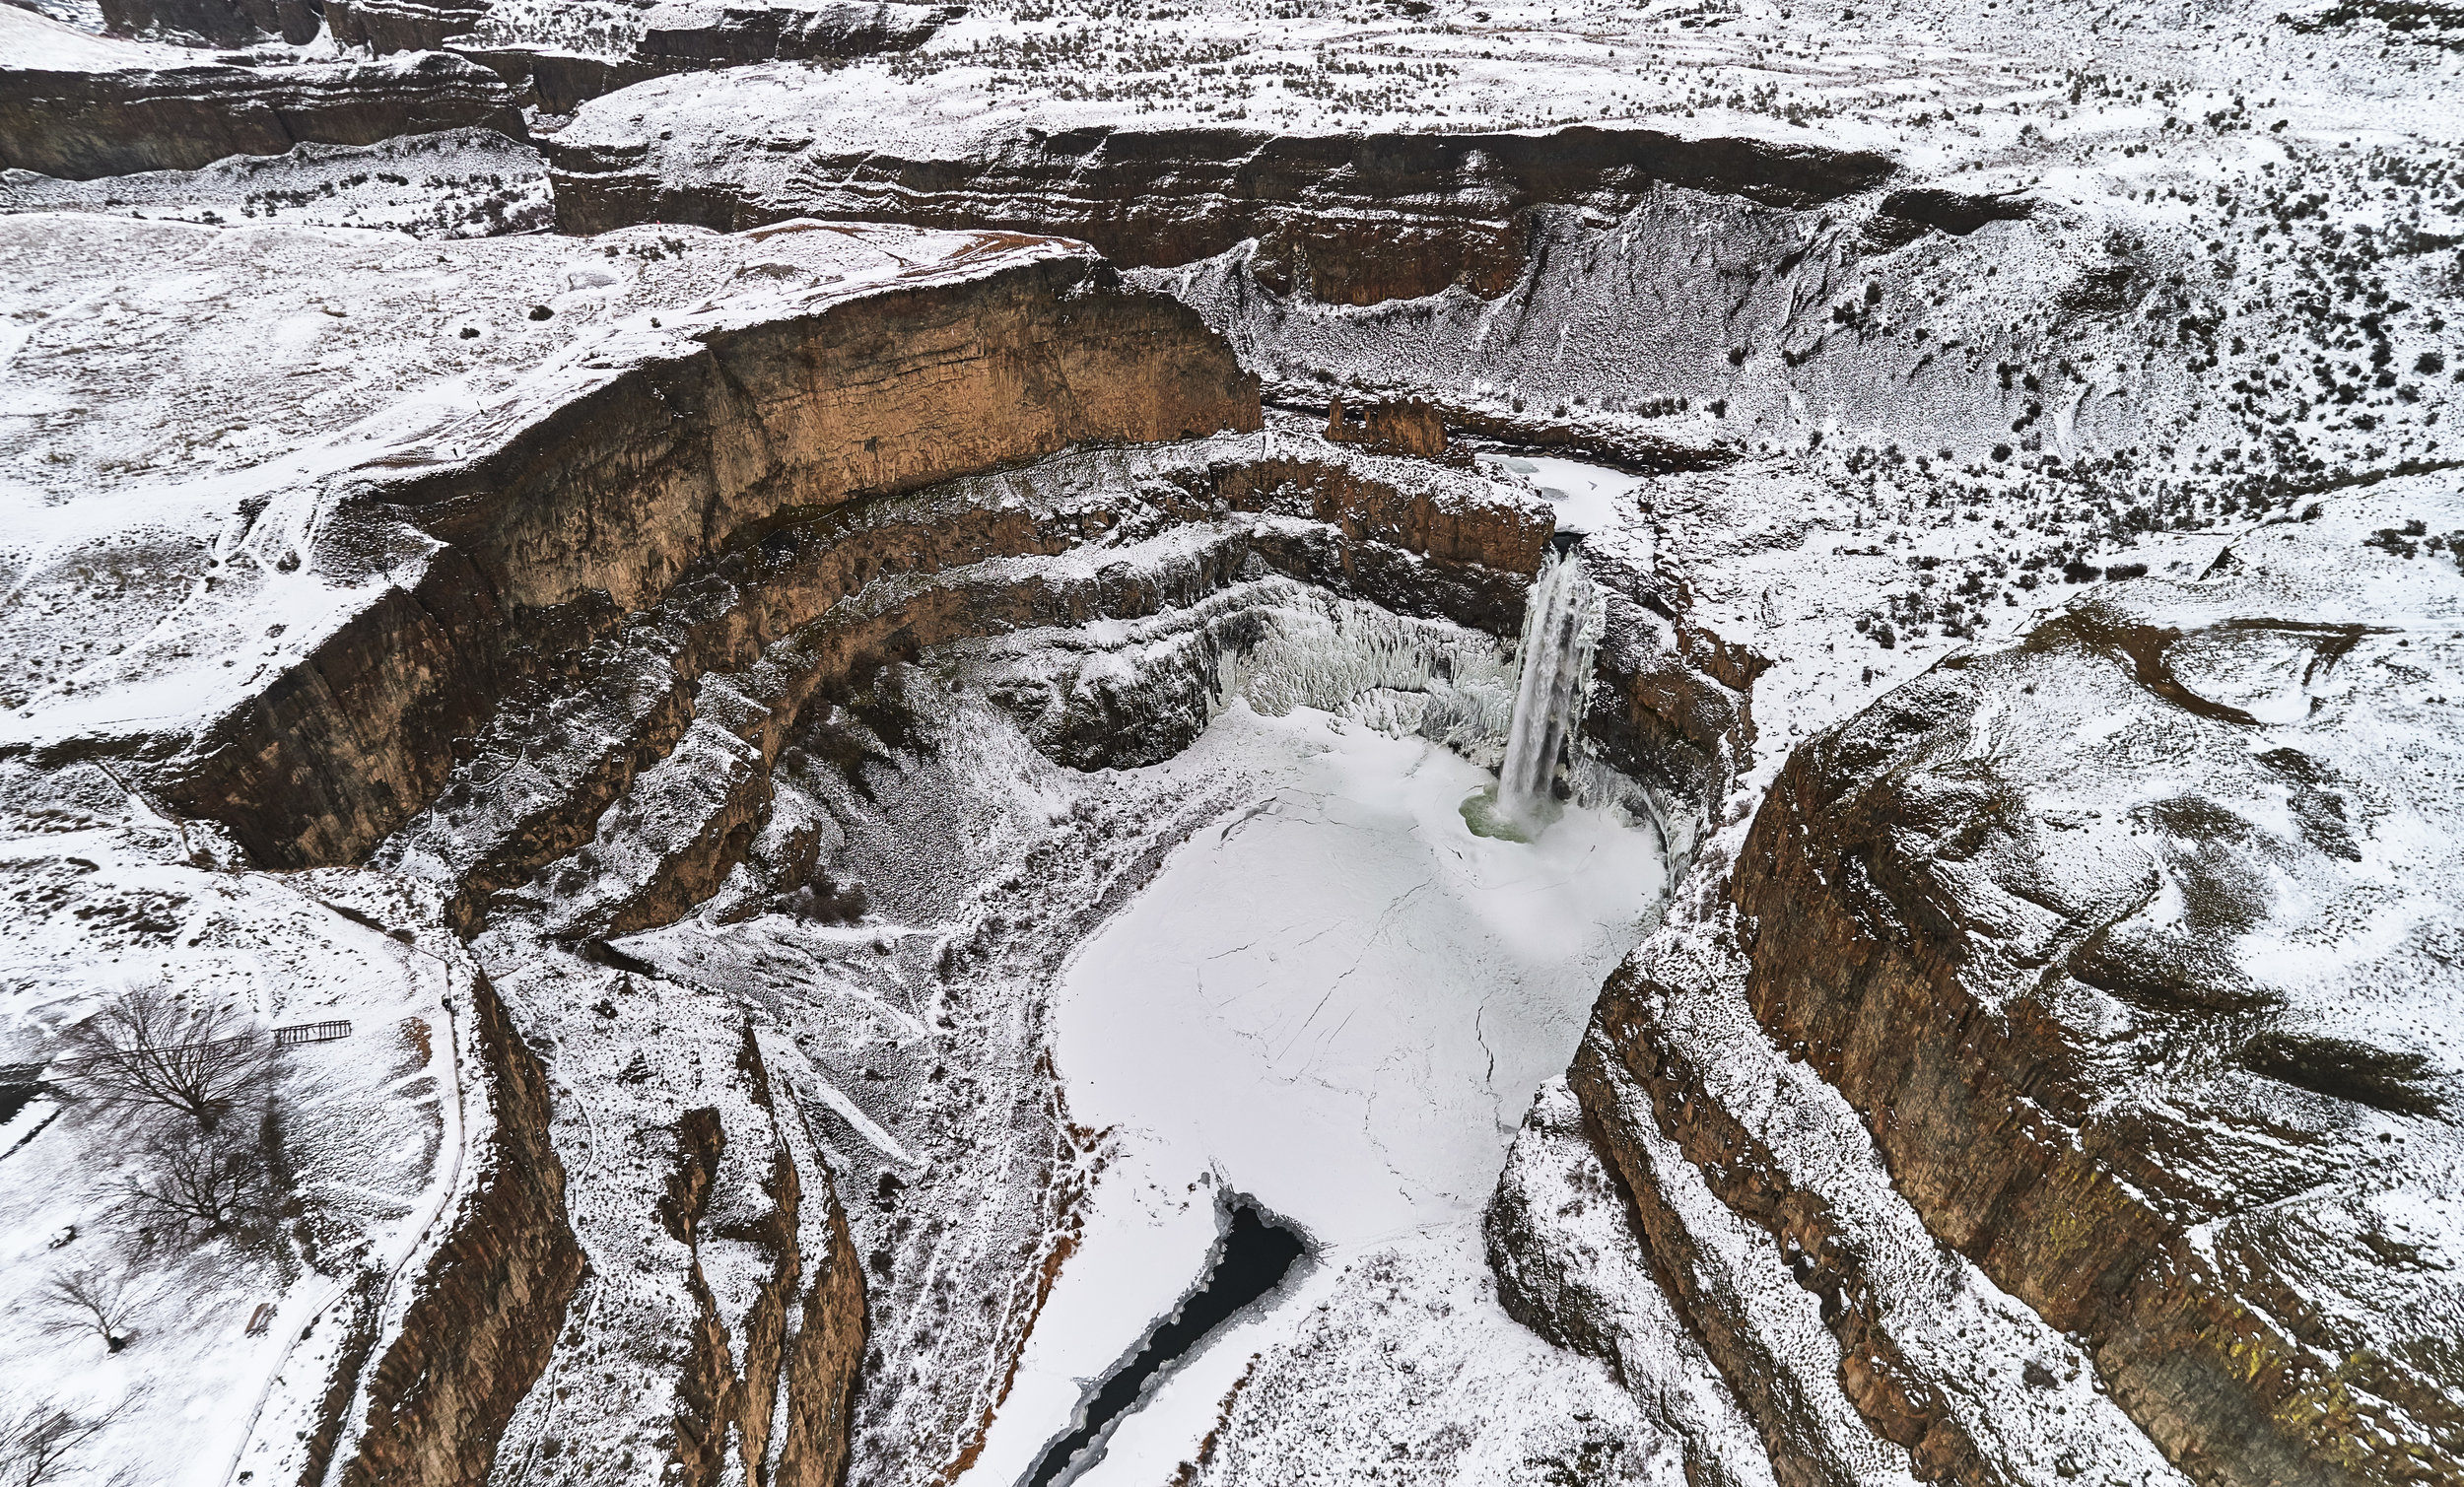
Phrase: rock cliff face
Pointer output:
(599, 506)
(78, 107)
(217, 23)
(494, 1296)
(1344, 220)
(729, 666)
(2073, 929)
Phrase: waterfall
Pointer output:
(1562, 623)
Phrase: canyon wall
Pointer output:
(217, 23)
(488, 1307)
(111, 120)
(602, 502)
(2040, 985)
(660, 780)
(1343, 219)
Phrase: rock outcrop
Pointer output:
(2073, 929)
(81, 106)
(1341, 218)
(217, 23)
(495, 1295)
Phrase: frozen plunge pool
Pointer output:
(1335, 1000)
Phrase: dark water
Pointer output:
(1257, 1255)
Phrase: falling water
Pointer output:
(1560, 625)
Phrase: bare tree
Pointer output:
(206, 1182)
(39, 1442)
(91, 1299)
(148, 1048)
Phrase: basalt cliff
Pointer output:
(606, 754)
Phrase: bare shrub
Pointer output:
(39, 1443)
(201, 1182)
(149, 1049)
(96, 1299)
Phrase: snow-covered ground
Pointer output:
(1331, 999)
(1336, 1001)
(456, 183)
(229, 1337)
(182, 410)
(1585, 498)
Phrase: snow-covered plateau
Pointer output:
(779, 743)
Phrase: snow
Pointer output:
(1585, 498)
(1335, 1000)
(33, 42)
(185, 406)
(989, 75)
(1331, 996)
(456, 183)
(373, 1131)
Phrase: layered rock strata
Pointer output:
(80, 106)
(650, 831)
(1340, 218)
(781, 432)
(601, 505)
(493, 1297)
(596, 485)
(2057, 953)
(726, 668)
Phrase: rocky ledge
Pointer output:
(827, 363)
(1346, 219)
(2114, 953)
(78, 106)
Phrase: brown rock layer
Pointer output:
(823, 1360)
(2090, 1093)
(80, 125)
(611, 497)
(1348, 220)
(731, 1380)
(491, 1301)
(1952, 1092)
(748, 641)
(1747, 1179)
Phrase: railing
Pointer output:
(71, 1067)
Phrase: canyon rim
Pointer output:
(762, 743)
